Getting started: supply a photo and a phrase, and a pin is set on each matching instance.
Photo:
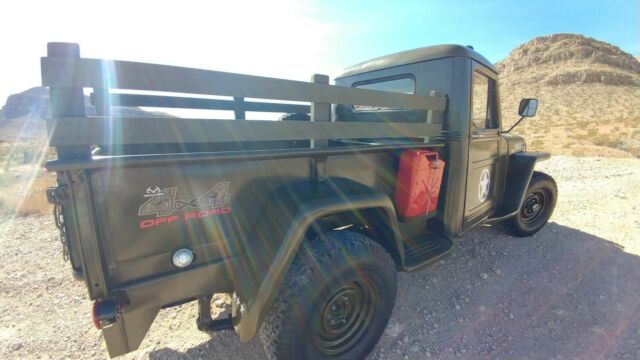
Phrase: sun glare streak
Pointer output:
(114, 132)
(26, 189)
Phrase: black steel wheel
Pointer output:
(345, 318)
(537, 207)
(335, 302)
(534, 206)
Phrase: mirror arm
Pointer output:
(514, 125)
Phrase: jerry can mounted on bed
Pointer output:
(418, 183)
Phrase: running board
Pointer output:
(421, 251)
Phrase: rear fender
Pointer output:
(289, 215)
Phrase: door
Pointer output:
(484, 142)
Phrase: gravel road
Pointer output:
(570, 291)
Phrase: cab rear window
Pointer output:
(403, 85)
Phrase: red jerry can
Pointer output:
(418, 182)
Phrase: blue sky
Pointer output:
(290, 38)
(493, 27)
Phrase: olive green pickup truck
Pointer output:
(304, 221)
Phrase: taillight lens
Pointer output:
(104, 313)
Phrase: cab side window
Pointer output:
(483, 115)
(403, 85)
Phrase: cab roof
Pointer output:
(416, 56)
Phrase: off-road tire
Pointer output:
(543, 192)
(294, 328)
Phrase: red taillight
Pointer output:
(94, 317)
(103, 313)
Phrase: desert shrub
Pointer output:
(35, 203)
(602, 140)
(578, 152)
(21, 153)
(537, 142)
(23, 197)
(635, 151)
(615, 142)
(580, 137)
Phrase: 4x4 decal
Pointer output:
(163, 204)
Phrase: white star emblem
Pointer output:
(483, 185)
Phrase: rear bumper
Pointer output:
(143, 300)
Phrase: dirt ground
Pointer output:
(571, 291)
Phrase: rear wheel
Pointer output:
(537, 207)
(335, 301)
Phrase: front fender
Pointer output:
(287, 217)
(519, 171)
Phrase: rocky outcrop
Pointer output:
(35, 104)
(587, 76)
(22, 117)
(588, 90)
(34, 101)
(562, 59)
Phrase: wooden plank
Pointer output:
(67, 101)
(100, 130)
(196, 103)
(98, 162)
(96, 73)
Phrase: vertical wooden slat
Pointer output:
(320, 111)
(67, 101)
(435, 116)
(238, 108)
(102, 101)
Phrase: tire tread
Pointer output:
(278, 329)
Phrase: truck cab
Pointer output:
(471, 123)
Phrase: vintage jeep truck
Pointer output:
(304, 221)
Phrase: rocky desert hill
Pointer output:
(589, 94)
(22, 116)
